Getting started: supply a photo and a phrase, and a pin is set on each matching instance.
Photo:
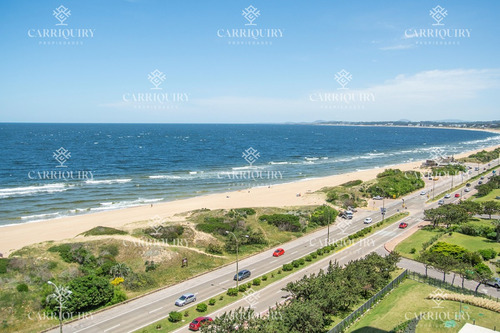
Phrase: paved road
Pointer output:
(146, 310)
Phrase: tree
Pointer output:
(119, 270)
(444, 263)
(472, 207)
(497, 227)
(490, 207)
(88, 293)
(463, 270)
(482, 273)
(426, 257)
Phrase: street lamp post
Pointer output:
(433, 182)
(236, 239)
(61, 294)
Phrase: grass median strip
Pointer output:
(223, 299)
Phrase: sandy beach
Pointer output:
(15, 237)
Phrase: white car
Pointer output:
(423, 193)
(378, 197)
(447, 196)
(467, 189)
(368, 220)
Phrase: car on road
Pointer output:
(423, 193)
(479, 182)
(368, 220)
(278, 252)
(378, 197)
(447, 196)
(403, 225)
(430, 178)
(441, 202)
(467, 189)
(457, 195)
(482, 177)
(196, 324)
(243, 274)
(468, 185)
(185, 299)
(494, 283)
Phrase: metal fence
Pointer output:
(368, 304)
(446, 285)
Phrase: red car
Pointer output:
(457, 195)
(403, 225)
(278, 252)
(198, 322)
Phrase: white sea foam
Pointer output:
(108, 181)
(31, 190)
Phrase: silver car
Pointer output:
(185, 299)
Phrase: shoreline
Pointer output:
(16, 236)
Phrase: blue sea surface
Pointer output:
(111, 166)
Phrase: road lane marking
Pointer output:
(224, 281)
(108, 329)
(161, 307)
(294, 252)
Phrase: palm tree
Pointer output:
(119, 270)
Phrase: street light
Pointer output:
(236, 239)
(61, 295)
(328, 216)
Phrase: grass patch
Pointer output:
(415, 241)
(490, 196)
(410, 298)
(471, 243)
(99, 231)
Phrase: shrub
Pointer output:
(249, 285)
(324, 215)
(98, 231)
(314, 255)
(309, 258)
(301, 261)
(174, 316)
(112, 249)
(186, 313)
(88, 292)
(51, 265)
(242, 288)
(202, 307)
(118, 296)
(256, 282)
(413, 250)
(150, 265)
(326, 249)
(221, 297)
(319, 252)
(232, 292)
(22, 287)
(264, 277)
(286, 268)
(295, 264)
(211, 301)
(279, 271)
(214, 248)
(4, 262)
(286, 222)
(245, 211)
(488, 254)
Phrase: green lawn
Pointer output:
(471, 243)
(414, 241)
(490, 196)
(410, 298)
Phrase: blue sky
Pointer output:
(248, 83)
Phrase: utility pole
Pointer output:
(61, 295)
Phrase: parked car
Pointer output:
(457, 195)
(467, 189)
(494, 283)
(423, 193)
(468, 185)
(378, 197)
(196, 324)
(368, 220)
(482, 177)
(430, 178)
(447, 196)
(278, 252)
(479, 182)
(243, 274)
(441, 202)
(185, 299)
(403, 225)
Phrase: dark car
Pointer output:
(468, 185)
(480, 182)
(278, 252)
(494, 283)
(243, 274)
(196, 324)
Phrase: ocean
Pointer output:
(53, 170)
